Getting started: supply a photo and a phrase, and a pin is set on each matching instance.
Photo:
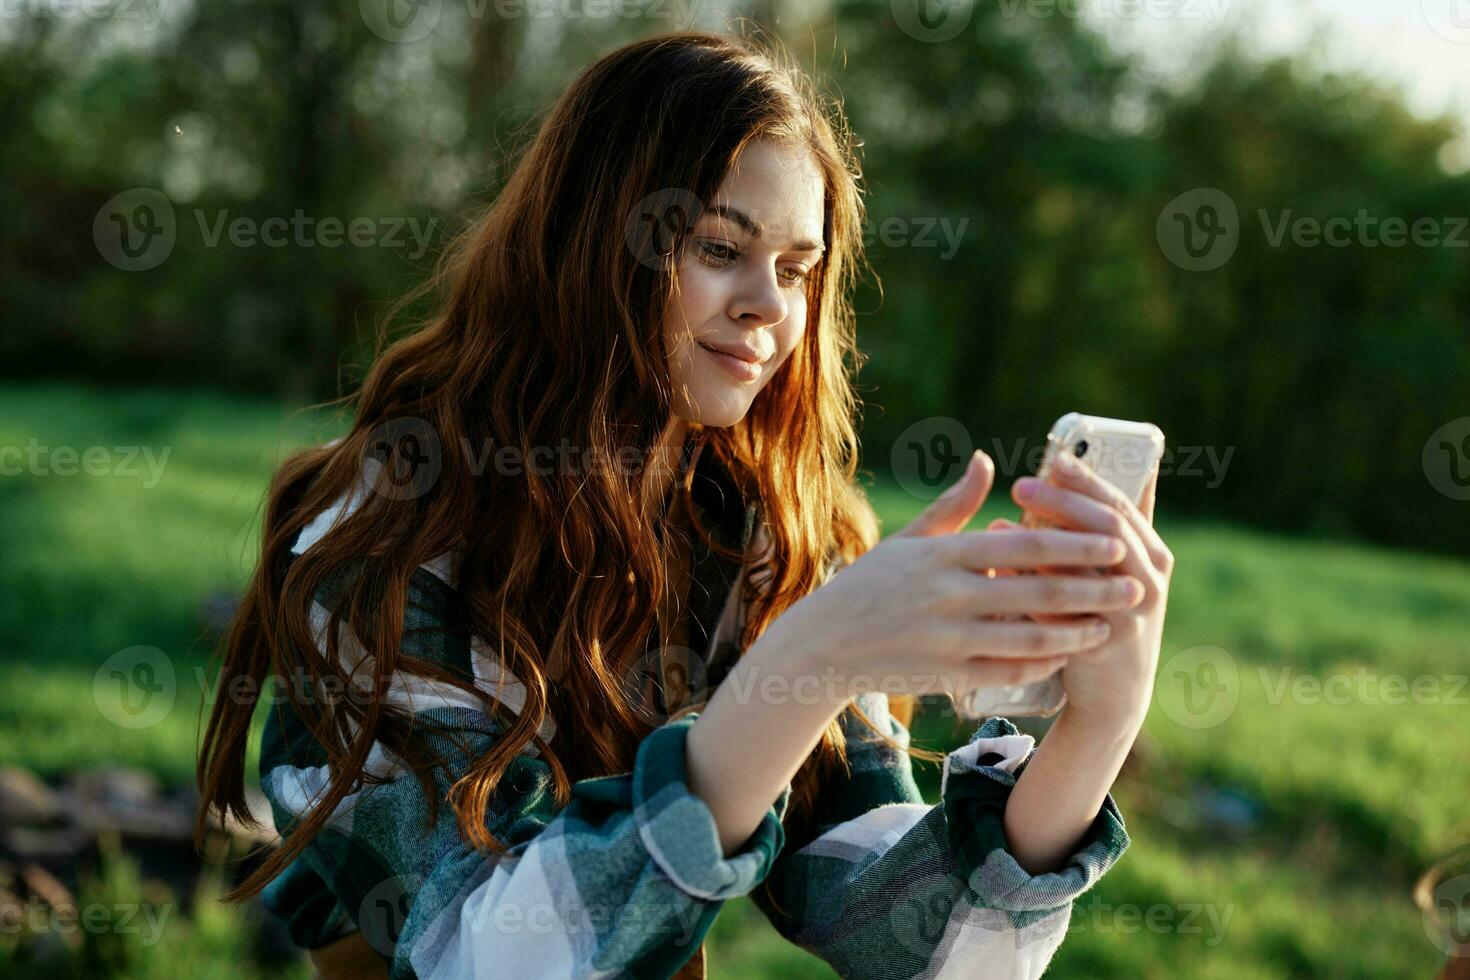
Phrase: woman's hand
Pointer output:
(1115, 684)
(909, 617)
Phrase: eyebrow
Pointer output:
(753, 227)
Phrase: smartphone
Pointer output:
(1124, 453)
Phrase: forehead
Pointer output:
(780, 187)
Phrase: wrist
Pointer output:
(1114, 720)
(785, 658)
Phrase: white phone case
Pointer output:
(1123, 453)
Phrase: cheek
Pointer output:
(791, 331)
(698, 301)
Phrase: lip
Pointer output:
(744, 369)
(746, 354)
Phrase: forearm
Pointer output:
(750, 739)
(1063, 786)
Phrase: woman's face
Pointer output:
(742, 284)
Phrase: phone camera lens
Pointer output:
(1081, 448)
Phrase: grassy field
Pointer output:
(1286, 795)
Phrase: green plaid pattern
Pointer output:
(626, 880)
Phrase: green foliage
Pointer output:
(1323, 370)
(126, 926)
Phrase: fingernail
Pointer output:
(1025, 488)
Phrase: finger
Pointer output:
(1072, 474)
(1000, 524)
(1022, 638)
(1027, 549)
(1046, 593)
(985, 672)
(1150, 494)
(1074, 509)
(954, 508)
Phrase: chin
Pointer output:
(719, 412)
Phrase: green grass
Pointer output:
(1355, 798)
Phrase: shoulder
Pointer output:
(444, 567)
(434, 630)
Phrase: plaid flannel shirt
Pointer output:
(626, 880)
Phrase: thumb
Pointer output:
(954, 508)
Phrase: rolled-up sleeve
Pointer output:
(893, 887)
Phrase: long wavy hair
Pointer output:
(547, 328)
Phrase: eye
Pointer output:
(718, 252)
(797, 276)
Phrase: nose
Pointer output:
(758, 300)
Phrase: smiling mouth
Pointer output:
(740, 368)
(716, 350)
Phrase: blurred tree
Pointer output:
(1017, 174)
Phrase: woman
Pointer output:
(563, 660)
